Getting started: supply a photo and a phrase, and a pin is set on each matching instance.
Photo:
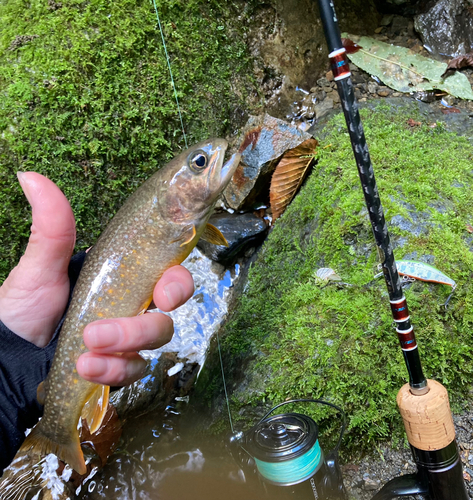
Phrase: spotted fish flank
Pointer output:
(156, 228)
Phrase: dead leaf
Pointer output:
(350, 467)
(448, 111)
(289, 175)
(466, 476)
(463, 61)
(469, 228)
(105, 440)
(413, 123)
(350, 46)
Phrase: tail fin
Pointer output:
(71, 452)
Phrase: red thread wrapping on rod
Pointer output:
(407, 339)
(339, 62)
(399, 310)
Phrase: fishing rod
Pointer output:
(423, 403)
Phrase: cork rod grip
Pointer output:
(427, 418)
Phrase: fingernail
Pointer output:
(23, 182)
(175, 293)
(103, 335)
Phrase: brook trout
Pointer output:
(156, 228)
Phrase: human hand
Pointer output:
(35, 294)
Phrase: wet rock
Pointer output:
(446, 28)
(386, 20)
(399, 25)
(323, 82)
(249, 373)
(323, 108)
(242, 231)
(449, 100)
(370, 484)
(154, 390)
(384, 92)
(266, 139)
(372, 87)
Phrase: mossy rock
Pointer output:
(291, 337)
(87, 99)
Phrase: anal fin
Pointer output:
(95, 407)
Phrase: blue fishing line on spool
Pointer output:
(292, 471)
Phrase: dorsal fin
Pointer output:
(213, 235)
(95, 407)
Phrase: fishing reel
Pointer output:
(284, 451)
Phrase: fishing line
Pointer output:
(170, 72)
(224, 383)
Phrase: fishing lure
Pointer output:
(412, 270)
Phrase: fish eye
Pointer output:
(198, 160)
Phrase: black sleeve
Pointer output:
(22, 367)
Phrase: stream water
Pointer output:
(160, 459)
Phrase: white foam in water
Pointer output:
(198, 318)
(175, 369)
(54, 483)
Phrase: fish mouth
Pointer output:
(228, 169)
(220, 174)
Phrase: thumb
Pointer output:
(34, 296)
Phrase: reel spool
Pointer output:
(286, 453)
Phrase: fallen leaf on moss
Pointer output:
(469, 228)
(289, 175)
(448, 111)
(413, 123)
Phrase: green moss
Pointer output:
(291, 337)
(87, 98)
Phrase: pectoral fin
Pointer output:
(213, 235)
(186, 236)
(41, 393)
(95, 407)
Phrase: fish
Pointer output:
(156, 228)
